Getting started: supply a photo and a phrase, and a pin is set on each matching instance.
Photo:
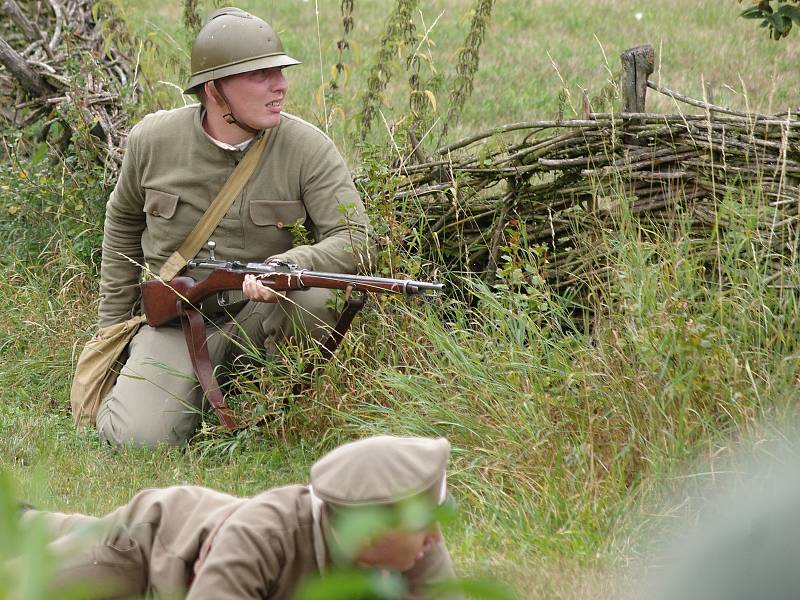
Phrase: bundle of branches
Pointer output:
(552, 184)
(57, 66)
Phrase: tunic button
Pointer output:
(279, 224)
(154, 212)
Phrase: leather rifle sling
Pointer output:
(194, 329)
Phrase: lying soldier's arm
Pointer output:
(242, 564)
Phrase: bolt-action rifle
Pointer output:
(166, 301)
(162, 300)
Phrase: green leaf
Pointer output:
(351, 585)
(776, 22)
(39, 154)
(790, 11)
(753, 13)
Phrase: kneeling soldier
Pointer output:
(193, 542)
(175, 164)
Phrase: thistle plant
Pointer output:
(398, 33)
(423, 83)
(340, 69)
(468, 62)
(191, 19)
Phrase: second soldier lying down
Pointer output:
(193, 542)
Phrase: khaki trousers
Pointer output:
(157, 398)
(104, 561)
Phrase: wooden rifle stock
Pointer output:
(160, 299)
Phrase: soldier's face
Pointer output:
(257, 97)
(397, 550)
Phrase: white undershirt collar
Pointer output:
(240, 147)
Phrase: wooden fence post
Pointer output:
(637, 64)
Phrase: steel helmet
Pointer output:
(233, 41)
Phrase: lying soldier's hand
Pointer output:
(256, 291)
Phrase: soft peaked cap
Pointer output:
(380, 470)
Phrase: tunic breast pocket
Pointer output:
(160, 237)
(277, 213)
(269, 231)
(159, 204)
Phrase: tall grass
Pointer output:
(567, 422)
(564, 427)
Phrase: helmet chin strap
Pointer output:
(229, 117)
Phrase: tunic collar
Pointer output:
(241, 147)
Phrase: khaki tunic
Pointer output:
(262, 546)
(172, 171)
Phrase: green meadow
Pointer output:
(576, 440)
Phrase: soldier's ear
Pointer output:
(212, 94)
(433, 536)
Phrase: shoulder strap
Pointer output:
(216, 210)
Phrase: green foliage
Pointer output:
(399, 32)
(564, 431)
(345, 584)
(341, 69)
(191, 20)
(518, 274)
(468, 61)
(561, 433)
(301, 236)
(779, 20)
(162, 54)
(356, 527)
(50, 199)
(358, 585)
(400, 36)
(26, 564)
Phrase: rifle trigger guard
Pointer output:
(222, 298)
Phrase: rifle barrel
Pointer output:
(404, 286)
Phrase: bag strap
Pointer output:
(216, 210)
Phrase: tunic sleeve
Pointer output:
(339, 220)
(122, 240)
(242, 564)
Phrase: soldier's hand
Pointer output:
(256, 291)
